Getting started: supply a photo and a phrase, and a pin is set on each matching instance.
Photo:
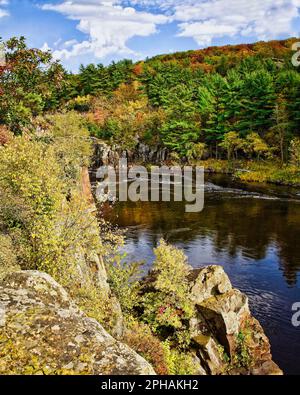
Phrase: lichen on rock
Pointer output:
(43, 332)
(229, 339)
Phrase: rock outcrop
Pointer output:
(43, 332)
(229, 340)
(110, 155)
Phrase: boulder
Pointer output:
(207, 282)
(43, 332)
(229, 339)
(225, 314)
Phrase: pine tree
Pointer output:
(281, 127)
(212, 106)
(257, 104)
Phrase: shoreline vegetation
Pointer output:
(255, 171)
(171, 318)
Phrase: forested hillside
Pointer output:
(221, 102)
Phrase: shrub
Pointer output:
(140, 338)
(123, 279)
(28, 169)
(178, 363)
(70, 140)
(5, 135)
(80, 103)
(166, 305)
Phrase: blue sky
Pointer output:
(84, 31)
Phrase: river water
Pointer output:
(251, 230)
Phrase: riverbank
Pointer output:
(64, 282)
(255, 171)
(250, 229)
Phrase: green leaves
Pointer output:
(28, 83)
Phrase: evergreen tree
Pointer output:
(212, 106)
(257, 104)
(281, 128)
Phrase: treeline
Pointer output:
(221, 102)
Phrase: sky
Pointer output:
(100, 31)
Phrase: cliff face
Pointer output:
(110, 155)
(227, 338)
(43, 332)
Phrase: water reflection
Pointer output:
(251, 230)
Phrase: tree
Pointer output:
(254, 144)
(288, 87)
(258, 92)
(29, 84)
(179, 136)
(182, 128)
(212, 106)
(281, 127)
(295, 152)
(231, 143)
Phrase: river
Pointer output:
(252, 230)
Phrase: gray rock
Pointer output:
(225, 313)
(211, 354)
(229, 340)
(43, 332)
(207, 282)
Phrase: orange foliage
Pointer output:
(5, 135)
(140, 339)
(138, 69)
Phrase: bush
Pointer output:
(140, 338)
(28, 169)
(123, 279)
(5, 135)
(70, 140)
(178, 363)
(80, 103)
(166, 304)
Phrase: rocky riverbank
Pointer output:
(42, 331)
(105, 154)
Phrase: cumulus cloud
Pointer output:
(207, 20)
(108, 24)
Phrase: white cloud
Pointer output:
(3, 12)
(108, 24)
(211, 19)
(45, 47)
(205, 20)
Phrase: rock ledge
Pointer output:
(43, 332)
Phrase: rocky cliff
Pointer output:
(43, 332)
(227, 338)
(105, 154)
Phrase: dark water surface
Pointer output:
(251, 230)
